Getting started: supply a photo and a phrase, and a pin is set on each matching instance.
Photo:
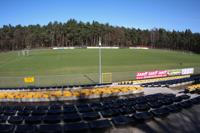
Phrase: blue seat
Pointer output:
(185, 104)
(9, 112)
(5, 128)
(161, 112)
(185, 96)
(56, 107)
(3, 119)
(121, 120)
(195, 100)
(142, 107)
(15, 120)
(69, 109)
(54, 112)
(71, 118)
(38, 112)
(174, 108)
(100, 124)
(52, 128)
(76, 127)
(24, 112)
(90, 116)
(155, 104)
(143, 116)
(52, 119)
(84, 108)
(26, 129)
(33, 120)
(42, 107)
(29, 107)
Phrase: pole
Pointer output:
(100, 71)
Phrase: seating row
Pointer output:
(68, 93)
(96, 120)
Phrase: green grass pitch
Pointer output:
(80, 66)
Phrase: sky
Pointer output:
(144, 14)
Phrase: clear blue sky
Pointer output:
(144, 14)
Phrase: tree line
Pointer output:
(80, 34)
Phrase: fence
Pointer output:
(72, 79)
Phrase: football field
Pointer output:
(80, 66)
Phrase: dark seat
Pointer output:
(84, 108)
(71, 118)
(53, 128)
(110, 113)
(33, 120)
(90, 116)
(15, 120)
(195, 100)
(178, 99)
(141, 107)
(76, 127)
(155, 104)
(54, 112)
(24, 112)
(120, 120)
(68, 110)
(5, 128)
(143, 116)
(167, 101)
(52, 119)
(3, 119)
(30, 108)
(42, 107)
(56, 107)
(26, 129)
(174, 108)
(125, 110)
(9, 112)
(38, 113)
(185, 104)
(141, 100)
(161, 112)
(96, 106)
(100, 124)
(185, 96)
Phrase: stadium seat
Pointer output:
(143, 116)
(52, 119)
(155, 104)
(84, 108)
(76, 128)
(26, 129)
(33, 120)
(185, 104)
(100, 124)
(24, 112)
(142, 107)
(5, 128)
(53, 128)
(120, 120)
(71, 118)
(15, 120)
(3, 119)
(54, 112)
(174, 108)
(38, 112)
(90, 116)
(161, 112)
(42, 107)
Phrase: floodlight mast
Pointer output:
(100, 71)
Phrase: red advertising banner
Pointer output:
(151, 74)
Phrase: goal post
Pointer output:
(106, 77)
